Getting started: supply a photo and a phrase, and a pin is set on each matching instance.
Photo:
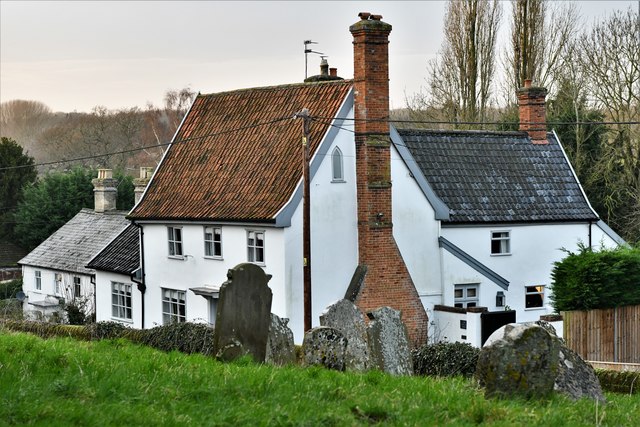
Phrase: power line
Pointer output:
(449, 122)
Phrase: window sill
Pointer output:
(117, 319)
(216, 258)
(178, 257)
(338, 181)
(259, 264)
(507, 254)
(535, 308)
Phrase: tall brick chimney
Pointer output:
(531, 105)
(387, 281)
(140, 184)
(105, 191)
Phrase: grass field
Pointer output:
(67, 382)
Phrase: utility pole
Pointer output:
(306, 217)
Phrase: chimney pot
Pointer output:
(364, 15)
(376, 17)
(527, 83)
(324, 67)
(333, 72)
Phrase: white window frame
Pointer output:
(175, 242)
(38, 279)
(172, 302)
(77, 287)
(337, 161)
(464, 300)
(253, 250)
(530, 291)
(210, 244)
(121, 301)
(504, 239)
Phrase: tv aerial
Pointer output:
(307, 51)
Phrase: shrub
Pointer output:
(48, 330)
(593, 280)
(184, 337)
(445, 359)
(619, 382)
(10, 289)
(106, 330)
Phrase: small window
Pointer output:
(38, 275)
(255, 246)
(174, 306)
(57, 283)
(121, 300)
(213, 242)
(175, 241)
(337, 165)
(500, 243)
(465, 296)
(77, 289)
(534, 296)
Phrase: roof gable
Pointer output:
(498, 176)
(75, 243)
(237, 155)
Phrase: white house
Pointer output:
(469, 220)
(56, 270)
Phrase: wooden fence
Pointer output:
(610, 335)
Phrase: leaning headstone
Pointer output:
(389, 342)
(244, 314)
(326, 347)
(280, 347)
(527, 360)
(345, 317)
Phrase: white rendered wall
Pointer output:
(48, 287)
(534, 249)
(194, 270)
(103, 299)
(416, 232)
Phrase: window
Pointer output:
(213, 242)
(57, 283)
(255, 247)
(121, 300)
(77, 289)
(337, 167)
(175, 241)
(534, 297)
(465, 296)
(38, 275)
(174, 306)
(500, 243)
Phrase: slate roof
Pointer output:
(122, 255)
(237, 155)
(498, 177)
(78, 241)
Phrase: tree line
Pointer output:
(592, 73)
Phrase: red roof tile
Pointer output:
(230, 161)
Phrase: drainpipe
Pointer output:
(590, 224)
(142, 287)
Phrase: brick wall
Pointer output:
(387, 282)
(531, 105)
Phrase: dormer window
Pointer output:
(337, 166)
(500, 243)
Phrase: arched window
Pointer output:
(337, 166)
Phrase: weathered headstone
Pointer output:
(280, 347)
(345, 317)
(326, 347)
(530, 361)
(244, 314)
(389, 342)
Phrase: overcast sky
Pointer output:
(74, 55)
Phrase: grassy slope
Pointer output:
(67, 382)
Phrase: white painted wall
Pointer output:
(48, 291)
(103, 298)
(416, 232)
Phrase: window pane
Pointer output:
(217, 248)
(471, 292)
(208, 251)
(458, 293)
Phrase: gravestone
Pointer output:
(326, 347)
(389, 342)
(529, 360)
(280, 347)
(345, 317)
(244, 314)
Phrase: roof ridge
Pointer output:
(282, 86)
(471, 132)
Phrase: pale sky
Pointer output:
(74, 55)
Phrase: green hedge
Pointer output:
(619, 382)
(595, 280)
(445, 359)
(10, 289)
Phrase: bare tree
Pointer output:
(24, 121)
(460, 80)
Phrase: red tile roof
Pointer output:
(237, 155)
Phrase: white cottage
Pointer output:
(56, 271)
(473, 218)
